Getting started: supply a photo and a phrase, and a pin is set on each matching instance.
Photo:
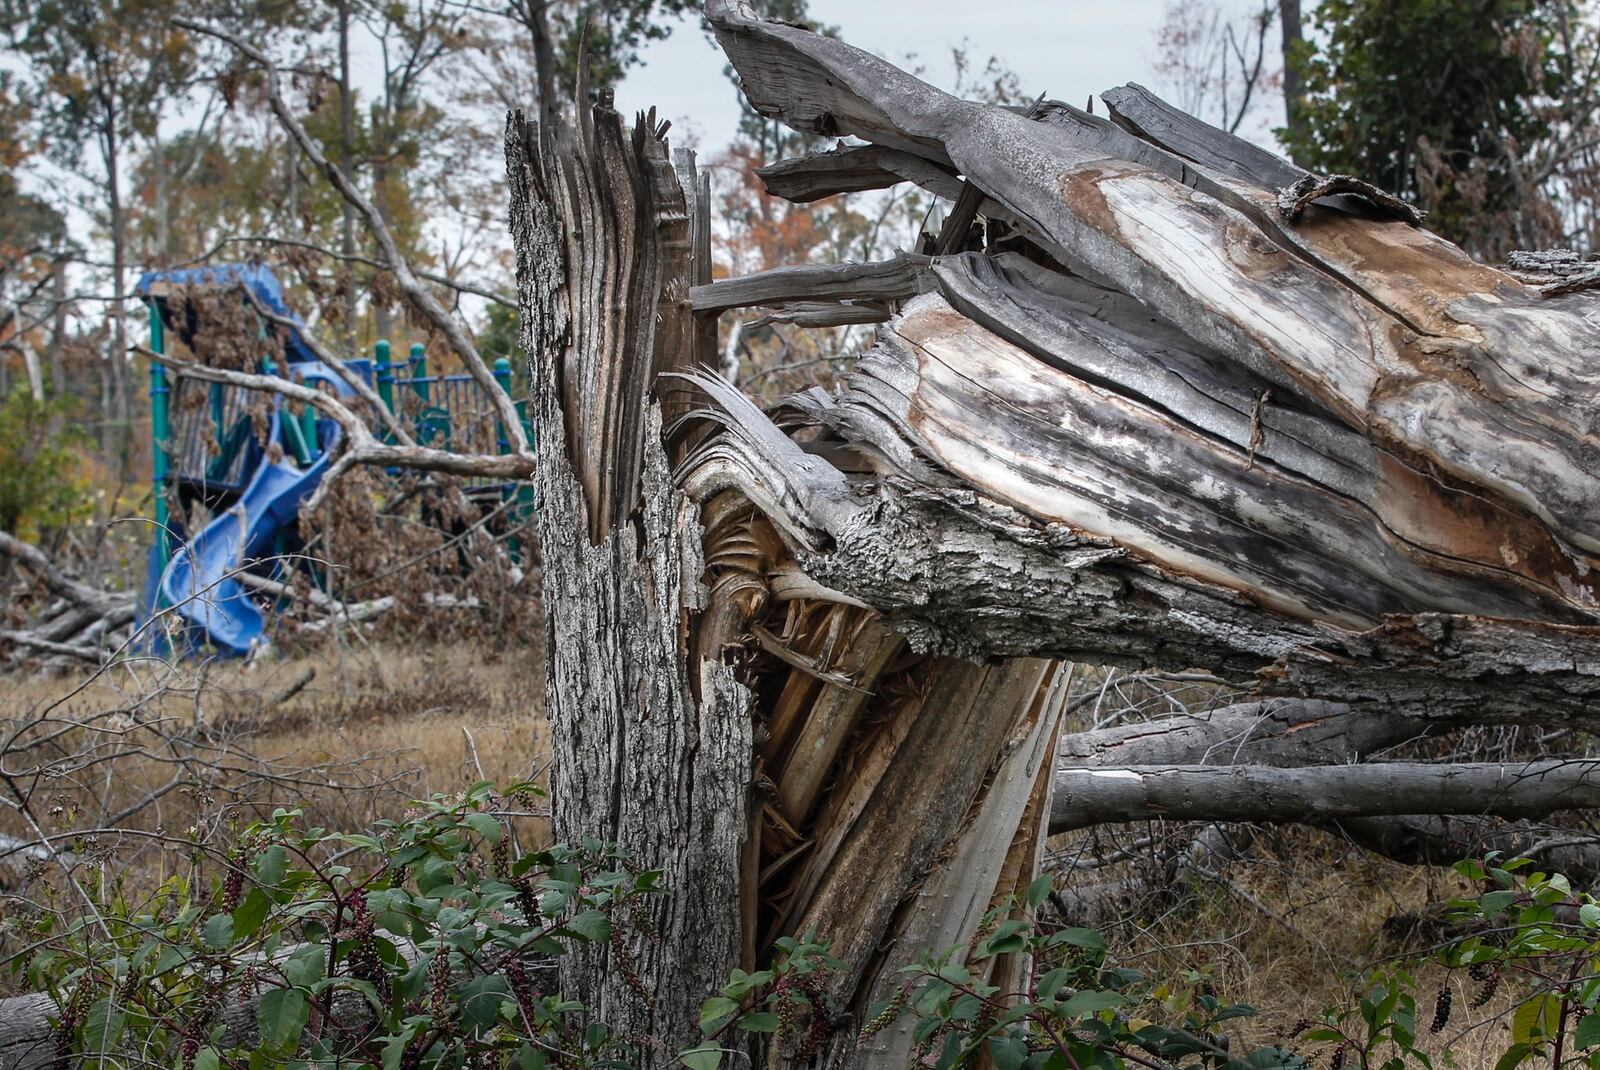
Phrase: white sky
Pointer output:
(1066, 48)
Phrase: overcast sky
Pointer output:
(1066, 48)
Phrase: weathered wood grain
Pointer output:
(885, 280)
(1389, 328)
(654, 746)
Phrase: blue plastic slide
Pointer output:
(199, 583)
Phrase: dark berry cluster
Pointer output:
(1441, 1010)
(1488, 977)
(884, 1018)
(625, 965)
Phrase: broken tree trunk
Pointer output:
(810, 662)
(654, 747)
(756, 736)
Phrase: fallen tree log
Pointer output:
(1439, 840)
(1189, 449)
(1319, 795)
(1276, 732)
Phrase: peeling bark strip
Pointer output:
(654, 749)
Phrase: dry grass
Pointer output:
(350, 736)
(1290, 932)
(413, 712)
(1294, 931)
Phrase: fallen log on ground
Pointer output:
(1319, 795)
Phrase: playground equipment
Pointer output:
(208, 457)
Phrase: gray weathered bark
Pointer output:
(654, 747)
(1318, 795)
(1176, 419)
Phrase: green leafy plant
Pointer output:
(40, 486)
(1378, 1031)
(1535, 930)
(1077, 1011)
(425, 944)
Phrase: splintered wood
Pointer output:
(1177, 403)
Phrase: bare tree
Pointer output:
(1214, 62)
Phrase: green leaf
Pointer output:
(102, 1026)
(1589, 914)
(481, 998)
(1008, 937)
(704, 1057)
(206, 1059)
(715, 1011)
(1091, 1002)
(1588, 1034)
(271, 864)
(306, 966)
(484, 825)
(1514, 1056)
(1494, 903)
(1053, 982)
(218, 932)
(282, 1013)
(395, 1049)
(1536, 1020)
(1008, 1052)
(759, 1022)
(250, 913)
(591, 925)
(1039, 890)
(1076, 937)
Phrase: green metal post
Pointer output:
(308, 429)
(218, 403)
(502, 375)
(419, 371)
(288, 426)
(384, 376)
(160, 433)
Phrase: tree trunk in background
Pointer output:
(163, 208)
(347, 137)
(1293, 82)
(58, 329)
(119, 426)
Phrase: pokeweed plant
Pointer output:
(1076, 1012)
(425, 944)
(430, 944)
(1534, 929)
(1529, 932)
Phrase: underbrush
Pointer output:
(145, 762)
(146, 771)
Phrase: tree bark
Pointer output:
(1318, 795)
(653, 749)
(1293, 28)
(1187, 418)
(347, 211)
